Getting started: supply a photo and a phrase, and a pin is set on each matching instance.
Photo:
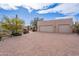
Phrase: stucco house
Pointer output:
(62, 25)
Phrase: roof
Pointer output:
(59, 19)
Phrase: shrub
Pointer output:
(0, 38)
(13, 25)
(34, 29)
(25, 31)
(18, 33)
(76, 28)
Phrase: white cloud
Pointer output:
(8, 7)
(71, 8)
(45, 11)
(37, 4)
(66, 8)
(29, 4)
(39, 1)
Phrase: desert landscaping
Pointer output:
(39, 29)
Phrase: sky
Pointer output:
(28, 10)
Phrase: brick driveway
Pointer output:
(36, 43)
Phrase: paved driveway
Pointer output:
(36, 43)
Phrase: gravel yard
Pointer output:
(41, 44)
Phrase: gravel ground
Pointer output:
(41, 44)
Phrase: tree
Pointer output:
(76, 27)
(13, 24)
(34, 23)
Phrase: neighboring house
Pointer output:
(63, 25)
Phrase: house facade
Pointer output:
(56, 26)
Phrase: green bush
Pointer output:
(16, 34)
(25, 31)
(0, 38)
(34, 29)
(76, 28)
(14, 25)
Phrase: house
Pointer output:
(62, 25)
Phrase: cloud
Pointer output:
(65, 8)
(68, 8)
(45, 11)
(36, 6)
(28, 4)
(71, 8)
(27, 1)
(8, 7)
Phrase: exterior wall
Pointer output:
(56, 23)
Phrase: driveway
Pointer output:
(41, 44)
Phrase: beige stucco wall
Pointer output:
(56, 23)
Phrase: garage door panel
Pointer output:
(46, 28)
(64, 28)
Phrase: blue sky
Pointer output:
(48, 11)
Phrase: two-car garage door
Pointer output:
(61, 28)
(46, 28)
